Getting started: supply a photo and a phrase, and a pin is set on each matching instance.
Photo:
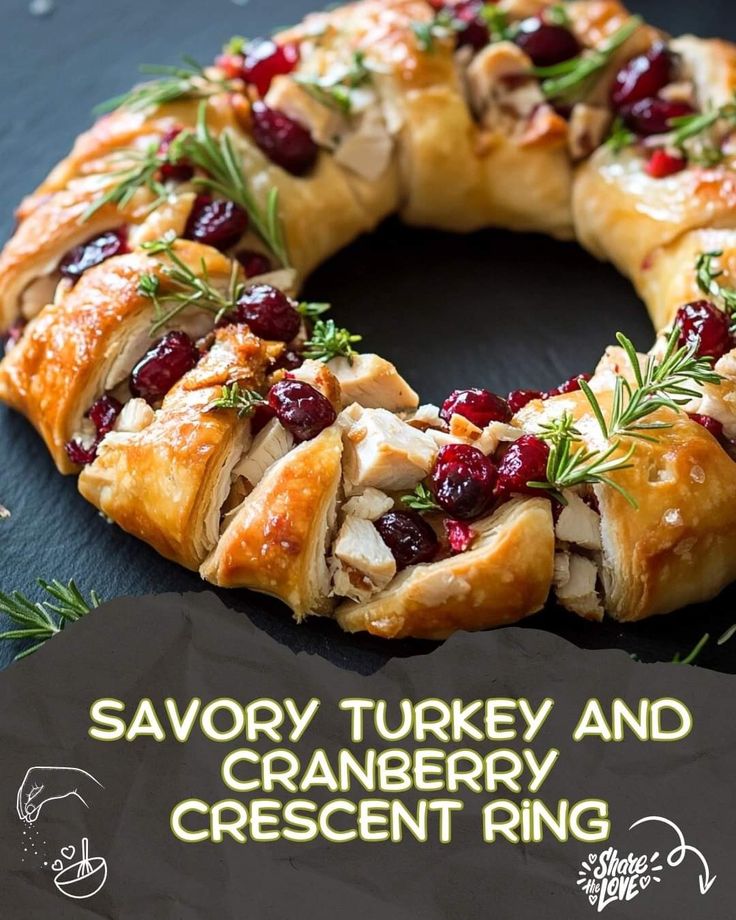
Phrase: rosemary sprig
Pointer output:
(336, 91)
(330, 341)
(187, 81)
(224, 176)
(421, 499)
(142, 172)
(561, 81)
(668, 382)
(569, 466)
(233, 396)
(692, 655)
(707, 276)
(42, 620)
(620, 136)
(313, 310)
(687, 127)
(185, 288)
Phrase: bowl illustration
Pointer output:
(83, 878)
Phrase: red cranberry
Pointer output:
(173, 172)
(470, 27)
(517, 399)
(10, 339)
(289, 360)
(710, 424)
(93, 252)
(654, 116)
(162, 365)
(642, 77)
(459, 534)
(268, 312)
(103, 413)
(662, 164)
(569, 386)
(283, 140)
(462, 480)
(80, 454)
(262, 415)
(264, 60)
(703, 323)
(546, 44)
(409, 537)
(215, 222)
(301, 409)
(254, 263)
(525, 461)
(232, 64)
(481, 407)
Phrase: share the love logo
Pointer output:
(608, 877)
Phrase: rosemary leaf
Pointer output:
(620, 136)
(233, 396)
(707, 276)
(335, 91)
(691, 656)
(141, 173)
(313, 310)
(421, 499)
(330, 341)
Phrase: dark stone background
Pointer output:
(492, 310)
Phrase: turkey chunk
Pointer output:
(382, 451)
(374, 383)
(325, 123)
(321, 377)
(499, 85)
(576, 587)
(362, 564)
(369, 505)
(271, 443)
(579, 524)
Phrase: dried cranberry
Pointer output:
(642, 77)
(525, 461)
(103, 413)
(10, 338)
(301, 409)
(162, 365)
(662, 164)
(703, 323)
(173, 172)
(283, 140)
(546, 44)
(654, 116)
(79, 454)
(215, 222)
(93, 252)
(288, 360)
(460, 535)
(262, 415)
(517, 399)
(710, 424)
(409, 537)
(462, 480)
(253, 262)
(481, 407)
(268, 312)
(569, 386)
(470, 27)
(264, 59)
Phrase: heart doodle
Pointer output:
(592, 857)
(593, 899)
(57, 865)
(644, 881)
(68, 852)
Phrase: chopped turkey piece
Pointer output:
(562, 569)
(282, 278)
(498, 83)
(325, 123)
(383, 451)
(373, 382)
(271, 443)
(495, 433)
(578, 594)
(367, 150)
(134, 416)
(461, 427)
(578, 523)
(426, 416)
(369, 505)
(588, 127)
(321, 377)
(37, 294)
(362, 563)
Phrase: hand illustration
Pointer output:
(42, 785)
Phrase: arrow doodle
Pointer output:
(677, 855)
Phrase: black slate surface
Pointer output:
(492, 309)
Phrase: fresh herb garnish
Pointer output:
(188, 81)
(233, 396)
(562, 81)
(330, 341)
(666, 382)
(707, 276)
(727, 635)
(312, 310)
(42, 620)
(443, 25)
(498, 24)
(184, 288)
(336, 91)
(687, 127)
(223, 175)
(620, 136)
(692, 655)
(142, 172)
(569, 465)
(421, 499)
(557, 15)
